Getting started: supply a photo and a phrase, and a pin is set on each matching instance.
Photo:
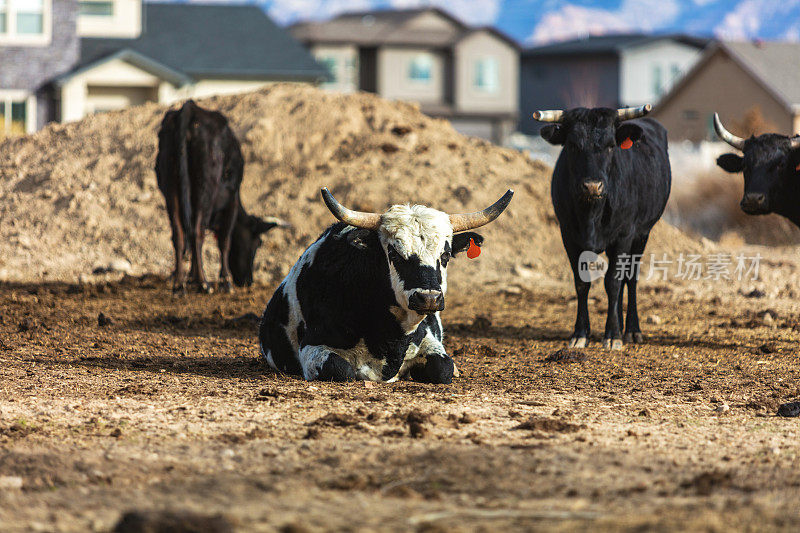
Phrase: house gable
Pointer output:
(687, 111)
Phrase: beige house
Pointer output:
(469, 75)
(131, 53)
(734, 78)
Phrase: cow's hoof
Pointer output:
(437, 369)
(612, 344)
(225, 287)
(634, 338)
(578, 342)
(336, 369)
(202, 288)
(179, 290)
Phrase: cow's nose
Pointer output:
(754, 201)
(594, 188)
(426, 301)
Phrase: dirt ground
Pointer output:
(165, 407)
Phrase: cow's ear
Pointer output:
(461, 241)
(358, 238)
(262, 225)
(731, 163)
(553, 133)
(627, 134)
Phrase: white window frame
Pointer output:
(484, 89)
(11, 38)
(7, 97)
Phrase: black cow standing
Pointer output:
(610, 186)
(771, 167)
(199, 168)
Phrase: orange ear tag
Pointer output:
(627, 143)
(474, 250)
(797, 168)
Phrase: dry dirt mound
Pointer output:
(79, 196)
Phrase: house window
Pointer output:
(420, 69)
(13, 117)
(97, 8)
(331, 65)
(487, 75)
(25, 22)
(658, 80)
(30, 16)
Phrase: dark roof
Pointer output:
(388, 26)
(610, 44)
(212, 40)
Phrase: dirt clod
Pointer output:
(549, 425)
(103, 320)
(172, 522)
(707, 482)
(565, 355)
(789, 409)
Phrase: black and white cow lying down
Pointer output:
(363, 301)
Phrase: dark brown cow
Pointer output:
(199, 168)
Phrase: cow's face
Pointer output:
(245, 240)
(770, 166)
(418, 242)
(591, 137)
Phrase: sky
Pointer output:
(540, 21)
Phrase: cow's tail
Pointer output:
(184, 184)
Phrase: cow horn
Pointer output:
(354, 218)
(725, 135)
(628, 113)
(468, 221)
(553, 115)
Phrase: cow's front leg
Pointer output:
(580, 335)
(612, 340)
(224, 242)
(322, 363)
(432, 364)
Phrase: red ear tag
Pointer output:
(627, 143)
(474, 250)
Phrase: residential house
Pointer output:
(733, 79)
(83, 57)
(609, 71)
(468, 75)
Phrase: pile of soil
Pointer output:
(77, 197)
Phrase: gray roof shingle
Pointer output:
(212, 40)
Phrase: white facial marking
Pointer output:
(414, 230)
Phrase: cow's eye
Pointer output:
(445, 258)
(393, 255)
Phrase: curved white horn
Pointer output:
(552, 115)
(725, 135)
(358, 219)
(628, 113)
(468, 221)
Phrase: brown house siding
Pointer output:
(720, 85)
